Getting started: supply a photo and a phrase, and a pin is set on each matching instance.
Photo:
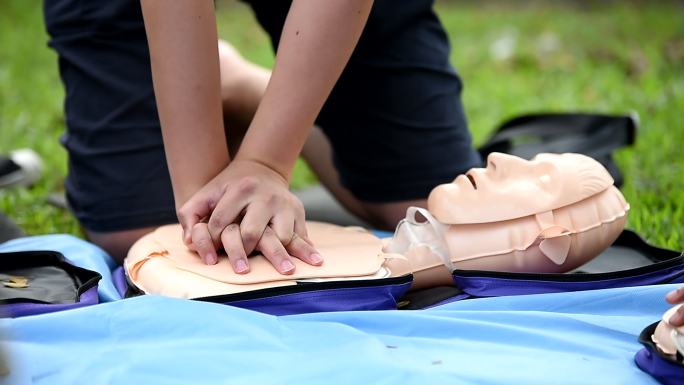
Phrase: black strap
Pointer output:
(634, 241)
(421, 299)
(595, 135)
(8, 229)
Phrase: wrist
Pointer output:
(282, 173)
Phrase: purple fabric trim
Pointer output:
(119, 280)
(348, 299)
(661, 369)
(89, 297)
(494, 287)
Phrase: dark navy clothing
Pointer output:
(117, 177)
(394, 118)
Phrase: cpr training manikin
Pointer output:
(670, 339)
(550, 214)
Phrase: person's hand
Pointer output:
(676, 297)
(248, 207)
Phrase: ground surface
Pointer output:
(514, 59)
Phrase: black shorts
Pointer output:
(394, 118)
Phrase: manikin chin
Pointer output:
(551, 214)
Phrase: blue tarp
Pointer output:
(570, 338)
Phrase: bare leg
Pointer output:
(117, 243)
(242, 86)
(318, 155)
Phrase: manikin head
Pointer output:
(549, 214)
(669, 339)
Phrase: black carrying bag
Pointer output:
(37, 282)
(595, 135)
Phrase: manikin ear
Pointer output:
(555, 244)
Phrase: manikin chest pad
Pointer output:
(548, 215)
(160, 263)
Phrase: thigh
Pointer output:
(394, 119)
(117, 179)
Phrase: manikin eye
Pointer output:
(472, 181)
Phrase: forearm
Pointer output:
(317, 41)
(185, 68)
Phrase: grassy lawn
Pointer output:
(551, 56)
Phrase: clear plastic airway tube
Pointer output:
(411, 233)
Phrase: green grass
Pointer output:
(609, 58)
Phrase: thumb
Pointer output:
(198, 207)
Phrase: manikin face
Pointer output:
(668, 338)
(511, 187)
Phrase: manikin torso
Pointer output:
(550, 214)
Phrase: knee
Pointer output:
(383, 221)
(239, 77)
(232, 68)
(386, 216)
(117, 243)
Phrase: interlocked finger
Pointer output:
(301, 249)
(252, 226)
(227, 211)
(232, 244)
(271, 247)
(283, 225)
(203, 244)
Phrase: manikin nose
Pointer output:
(501, 162)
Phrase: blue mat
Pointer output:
(571, 338)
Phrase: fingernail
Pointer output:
(286, 266)
(671, 296)
(241, 266)
(316, 259)
(211, 259)
(677, 319)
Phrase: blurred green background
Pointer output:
(515, 57)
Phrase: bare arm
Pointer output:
(182, 38)
(317, 41)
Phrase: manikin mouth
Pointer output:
(472, 180)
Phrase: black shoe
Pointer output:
(22, 168)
